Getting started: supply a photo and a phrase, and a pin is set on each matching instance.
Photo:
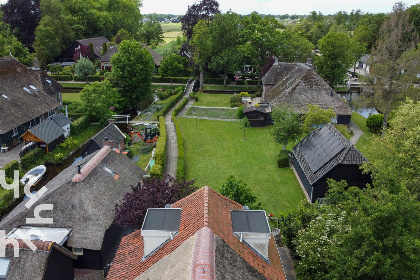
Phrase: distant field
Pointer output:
(168, 27)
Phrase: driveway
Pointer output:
(10, 155)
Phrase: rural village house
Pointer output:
(98, 42)
(83, 202)
(27, 98)
(299, 85)
(106, 59)
(202, 236)
(326, 153)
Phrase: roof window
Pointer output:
(5, 96)
(33, 87)
(27, 90)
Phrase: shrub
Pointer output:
(244, 94)
(258, 94)
(235, 100)
(31, 158)
(214, 81)
(375, 123)
(193, 97)
(79, 125)
(55, 68)
(169, 105)
(240, 82)
(164, 94)
(180, 106)
(283, 159)
(91, 78)
(240, 112)
(10, 167)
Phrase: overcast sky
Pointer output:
(274, 7)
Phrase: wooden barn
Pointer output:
(298, 85)
(258, 116)
(326, 153)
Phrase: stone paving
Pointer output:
(12, 154)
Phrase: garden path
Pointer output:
(171, 140)
(357, 132)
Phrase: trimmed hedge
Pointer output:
(91, 78)
(79, 125)
(283, 159)
(157, 171)
(213, 81)
(181, 106)
(62, 77)
(177, 80)
(171, 104)
(246, 82)
(160, 152)
(375, 123)
(180, 168)
(10, 168)
(31, 158)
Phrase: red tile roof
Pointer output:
(204, 207)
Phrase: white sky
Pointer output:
(274, 7)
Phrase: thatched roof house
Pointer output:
(84, 202)
(210, 241)
(48, 261)
(326, 153)
(97, 42)
(27, 97)
(299, 85)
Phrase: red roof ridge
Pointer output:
(204, 257)
(91, 164)
(206, 206)
(23, 244)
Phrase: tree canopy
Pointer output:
(287, 125)
(132, 70)
(84, 67)
(237, 190)
(204, 10)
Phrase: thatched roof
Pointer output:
(299, 85)
(86, 207)
(97, 43)
(322, 150)
(18, 106)
(32, 264)
(47, 131)
(157, 58)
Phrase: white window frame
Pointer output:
(15, 131)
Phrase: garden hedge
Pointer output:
(157, 171)
(31, 158)
(177, 80)
(214, 81)
(375, 123)
(283, 159)
(181, 106)
(79, 125)
(91, 78)
(180, 168)
(171, 104)
(160, 152)
(62, 77)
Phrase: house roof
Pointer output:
(322, 150)
(47, 131)
(299, 85)
(32, 264)
(60, 119)
(204, 212)
(157, 58)
(86, 207)
(112, 132)
(97, 43)
(109, 53)
(17, 105)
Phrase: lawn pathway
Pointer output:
(357, 132)
(171, 141)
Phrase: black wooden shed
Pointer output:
(326, 153)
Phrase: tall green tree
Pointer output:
(261, 37)
(100, 100)
(204, 10)
(151, 33)
(237, 190)
(132, 69)
(387, 84)
(53, 34)
(287, 125)
(125, 14)
(173, 65)
(84, 67)
(293, 47)
(317, 116)
(367, 31)
(201, 47)
(336, 57)
(225, 31)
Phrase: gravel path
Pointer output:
(171, 141)
(357, 132)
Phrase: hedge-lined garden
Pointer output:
(160, 152)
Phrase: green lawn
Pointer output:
(213, 100)
(364, 143)
(218, 148)
(71, 96)
(78, 85)
(144, 151)
(218, 113)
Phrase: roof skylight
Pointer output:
(5, 96)
(27, 90)
(33, 87)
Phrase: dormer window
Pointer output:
(6, 97)
(48, 81)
